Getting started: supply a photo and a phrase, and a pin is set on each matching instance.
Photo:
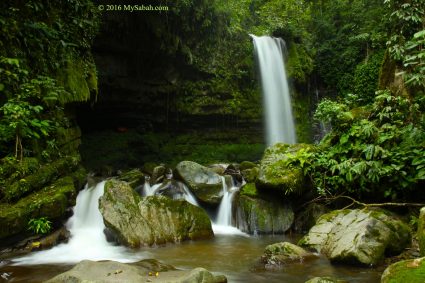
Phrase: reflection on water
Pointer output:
(234, 256)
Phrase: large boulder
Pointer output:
(133, 177)
(264, 216)
(357, 236)
(51, 202)
(276, 175)
(279, 254)
(205, 184)
(308, 216)
(143, 271)
(421, 231)
(411, 270)
(151, 220)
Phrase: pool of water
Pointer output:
(232, 255)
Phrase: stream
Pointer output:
(231, 252)
(233, 256)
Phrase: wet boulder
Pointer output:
(171, 188)
(255, 214)
(143, 271)
(275, 175)
(250, 175)
(133, 177)
(158, 174)
(279, 254)
(421, 231)
(234, 171)
(308, 216)
(358, 236)
(204, 183)
(51, 202)
(326, 280)
(411, 270)
(152, 220)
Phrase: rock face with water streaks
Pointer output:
(279, 254)
(357, 236)
(421, 231)
(205, 184)
(411, 270)
(256, 215)
(275, 175)
(142, 271)
(151, 220)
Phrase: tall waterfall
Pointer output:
(276, 95)
(87, 239)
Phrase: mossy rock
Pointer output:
(112, 271)
(283, 253)
(79, 78)
(153, 220)
(251, 175)
(421, 231)
(51, 202)
(249, 190)
(308, 216)
(247, 165)
(203, 182)
(411, 270)
(42, 177)
(358, 236)
(276, 175)
(133, 177)
(256, 215)
(11, 169)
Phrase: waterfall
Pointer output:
(187, 195)
(149, 190)
(87, 239)
(276, 95)
(223, 223)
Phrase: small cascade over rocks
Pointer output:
(87, 239)
(276, 93)
(223, 223)
(179, 190)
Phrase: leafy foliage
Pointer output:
(37, 39)
(40, 225)
(380, 154)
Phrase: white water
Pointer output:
(149, 190)
(276, 95)
(188, 196)
(223, 223)
(87, 239)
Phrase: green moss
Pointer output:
(302, 111)
(42, 177)
(249, 190)
(133, 177)
(247, 165)
(79, 78)
(412, 271)
(51, 202)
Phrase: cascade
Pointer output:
(187, 195)
(87, 240)
(223, 223)
(275, 88)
